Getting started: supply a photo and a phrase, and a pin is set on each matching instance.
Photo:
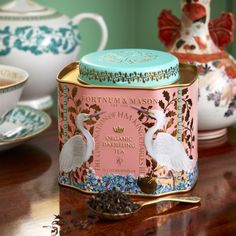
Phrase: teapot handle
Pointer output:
(99, 19)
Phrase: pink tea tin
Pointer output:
(128, 120)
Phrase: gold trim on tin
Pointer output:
(128, 78)
(70, 74)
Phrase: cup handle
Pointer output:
(99, 19)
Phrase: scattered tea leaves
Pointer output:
(61, 226)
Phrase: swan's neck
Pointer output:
(89, 143)
(148, 140)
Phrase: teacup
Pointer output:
(12, 82)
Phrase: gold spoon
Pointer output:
(119, 216)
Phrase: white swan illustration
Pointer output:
(165, 149)
(76, 151)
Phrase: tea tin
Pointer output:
(126, 125)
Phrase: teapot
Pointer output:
(41, 41)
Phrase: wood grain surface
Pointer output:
(33, 204)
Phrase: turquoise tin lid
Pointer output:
(129, 67)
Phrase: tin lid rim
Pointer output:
(129, 67)
(75, 66)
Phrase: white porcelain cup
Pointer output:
(12, 82)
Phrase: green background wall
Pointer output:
(131, 23)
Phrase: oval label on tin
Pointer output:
(119, 145)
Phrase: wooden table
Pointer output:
(30, 196)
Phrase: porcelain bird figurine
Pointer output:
(197, 40)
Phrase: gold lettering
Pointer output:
(143, 101)
(119, 151)
(132, 101)
(118, 145)
(119, 138)
(124, 101)
(123, 115)
(118, 100)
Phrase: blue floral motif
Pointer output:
(39, 39)
(125, 183)
(231, 108)
(5, 41)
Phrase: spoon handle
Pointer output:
(190, 199)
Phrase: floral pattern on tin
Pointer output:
(187, 120)
(73, 109)
(156, 172)
(85, 178)
(125, 183)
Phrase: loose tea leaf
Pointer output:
(112, 201)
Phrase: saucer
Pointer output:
(21, 124)
(43, 103)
